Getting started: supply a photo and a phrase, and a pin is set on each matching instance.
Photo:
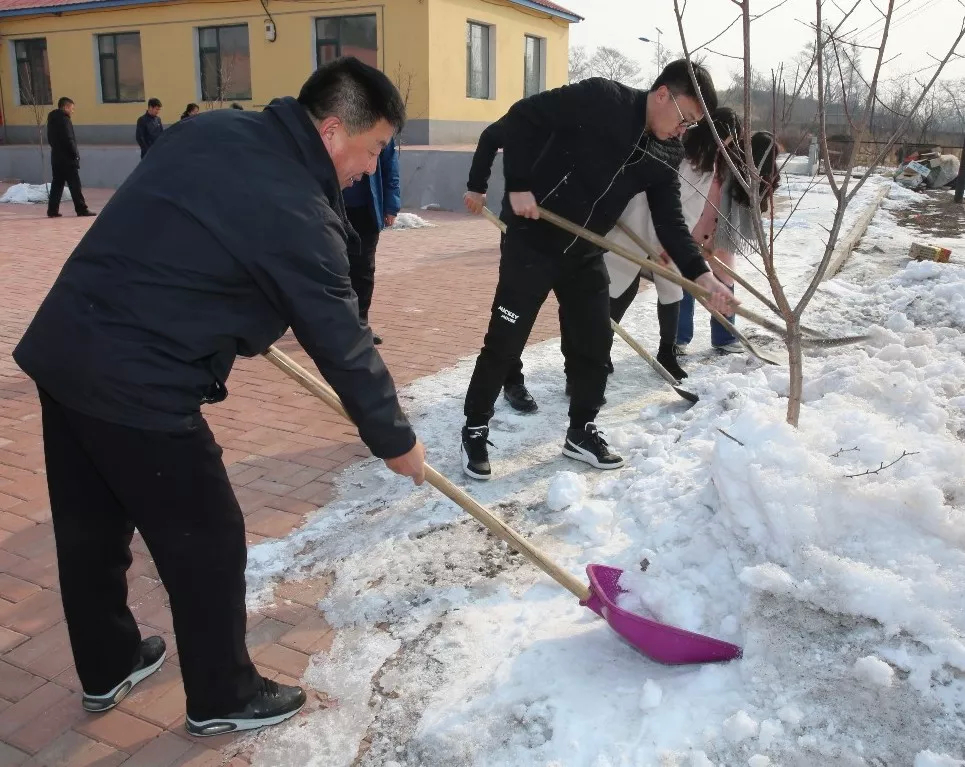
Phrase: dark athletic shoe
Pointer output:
(153, 652)
(376, 339)
(272, 704)
(85, 213)
(587, 445)
(519, 398)
(475, 453)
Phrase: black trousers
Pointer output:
(69, 175)
(362, 265)
(105, 480)
(526, 276)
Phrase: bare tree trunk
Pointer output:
(795, 360)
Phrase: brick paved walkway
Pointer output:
(283, 451)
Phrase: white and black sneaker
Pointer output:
(475, 452)
(273, 704)
(152, 654)
(587, 445)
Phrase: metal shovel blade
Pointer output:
(659, 641)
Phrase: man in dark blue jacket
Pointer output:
(138, 333)
(372, 203)
(149, 127)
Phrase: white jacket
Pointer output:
(694, 188)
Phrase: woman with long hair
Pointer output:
(731, 231)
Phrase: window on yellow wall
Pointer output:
(122, 76)
(534, 56)
(33, 71)
(478, 85)
(225, 63)
(347, 36)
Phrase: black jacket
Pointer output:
(229, 231)
(491, 140)
(60, 138)
(584, 152)
(149, 130)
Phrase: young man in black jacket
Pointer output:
(64, 160)
(137, 334)
(582, 151)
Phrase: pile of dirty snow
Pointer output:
(25, 194)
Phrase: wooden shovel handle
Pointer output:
(691, 287)
(499, 528)
(487, 213)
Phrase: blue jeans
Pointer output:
(719, 336)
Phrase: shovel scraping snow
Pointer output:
(663, 643)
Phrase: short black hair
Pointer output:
(676, 77)
(151, 103)
(359, 95)
(63, 101)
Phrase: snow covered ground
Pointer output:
(845, 591)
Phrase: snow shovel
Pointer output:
(691, 287)
(659, 369)
(651, 360)
(662, 643)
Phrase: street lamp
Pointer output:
(659, 47)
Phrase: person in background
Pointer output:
(236, 105)
(731, 231)
(64, 160)
(190, 111)
(372, 203)
(149, 127)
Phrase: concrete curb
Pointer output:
(844, 248)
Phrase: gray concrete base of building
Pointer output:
(430, 177)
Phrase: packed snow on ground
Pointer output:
(842, 580)
(25, 194)
(410, 221)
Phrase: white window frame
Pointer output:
(491, 62)
(541, 86)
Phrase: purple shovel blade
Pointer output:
(663, 643)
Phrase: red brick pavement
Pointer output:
(283, 450)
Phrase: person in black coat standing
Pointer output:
(64, 160)
(137, 333)
(583, 152)
(149, 127)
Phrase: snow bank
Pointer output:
(410, 221)
(25, 194)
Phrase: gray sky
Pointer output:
(918, 27)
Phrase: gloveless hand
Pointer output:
(524, 204)
(721, 299)
(411, 464)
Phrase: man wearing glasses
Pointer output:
(582, 151)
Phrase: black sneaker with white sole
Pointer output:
(152, 654)
(588, 445)
(475, 452)
(272, 704)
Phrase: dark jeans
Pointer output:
(105, 480)
(719, 335)
(526, 276)
(362, 265)
(69, 175)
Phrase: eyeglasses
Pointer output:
(684, 122)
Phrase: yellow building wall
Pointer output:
(511, 23)
(169, 52)
(422, 47)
